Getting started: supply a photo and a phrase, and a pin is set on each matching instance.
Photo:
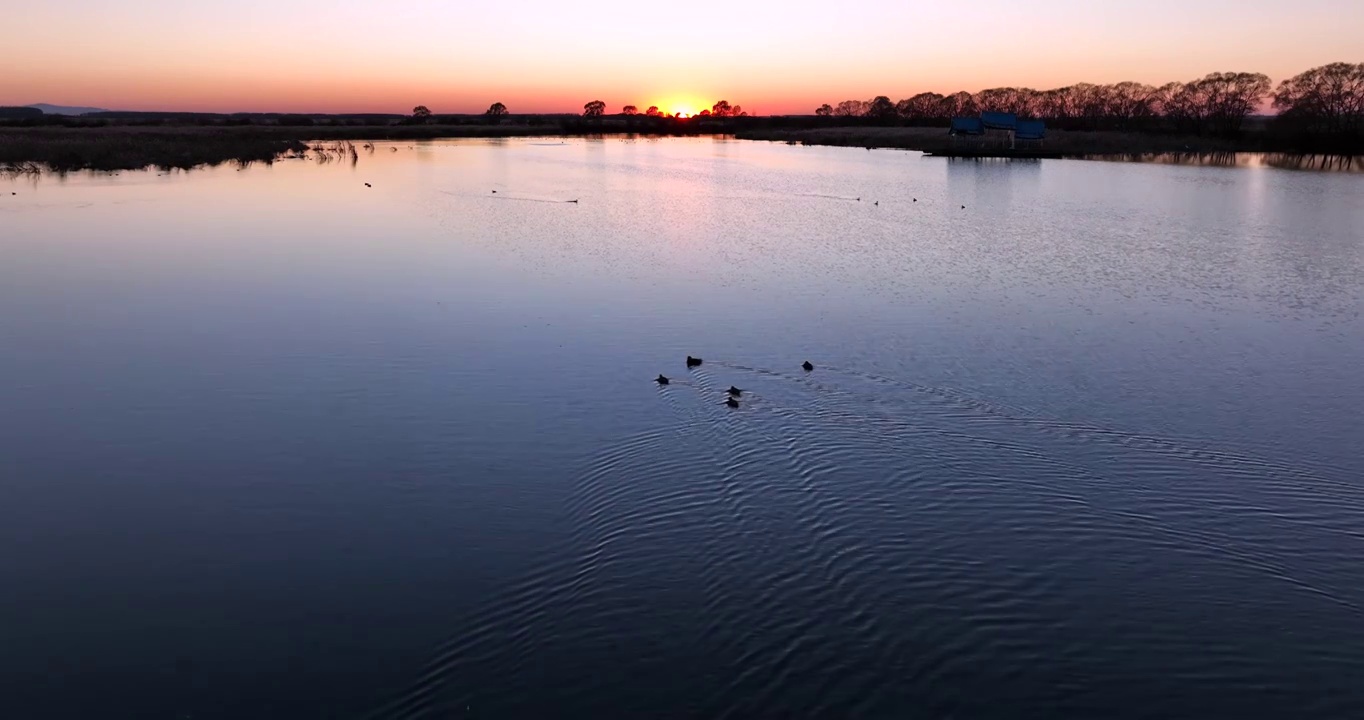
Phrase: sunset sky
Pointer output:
(771, 56)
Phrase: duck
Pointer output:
(808, 367)
(736, 392)
(731, 402)
(368, 185)
(916, 199)
(693, 362)
(662, 379)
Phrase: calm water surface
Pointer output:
(275, 444)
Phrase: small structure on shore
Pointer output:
(999, 127)
(1031, 131)
(966, 126)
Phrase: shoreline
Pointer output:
(134, 147)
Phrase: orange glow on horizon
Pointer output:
(682, 105)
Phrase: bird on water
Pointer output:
(736, 392)
(693, 362)
(808, 367)
(661, 379)
(732, 402)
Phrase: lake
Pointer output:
(1082, 439)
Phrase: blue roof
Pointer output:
(999, 120)
(966, 126)
(1031, 130)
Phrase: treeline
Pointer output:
(8, 112)
(1328, 99)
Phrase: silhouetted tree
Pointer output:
(1186, 106)
(1132, 103)
(594, 109)
(629, 110)
(421, 112)
(652, 111)
(721, 109)
(703, 113)
(960, 104)
(924, 106)
(851, 108)
(1006, 99)
(1231, 97)
(880, 108)
(1328, 99)
(1161, 100)
(497, 109)
(824, 110)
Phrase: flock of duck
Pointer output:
(733, 392)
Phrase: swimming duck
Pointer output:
(808, 367)
(693, 362)
(731, 402)
(662, 380)
(368, 185)
(736, 392)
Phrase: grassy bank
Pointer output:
(125, 147)
(134, 146)
(1070, 143)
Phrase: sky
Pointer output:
(770, 56)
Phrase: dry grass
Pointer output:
(131, 147)
(126, 147)
(1065, 142)
(123, 148)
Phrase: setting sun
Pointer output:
(683, 105)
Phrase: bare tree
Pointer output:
(924, 106)
(851, 108)
(960, 104)
(880, 108)
(1132, 102)
(1228, 98)
(1162, 99)
(1326, 99)
(1005, 99)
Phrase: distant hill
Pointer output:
(64, 109)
